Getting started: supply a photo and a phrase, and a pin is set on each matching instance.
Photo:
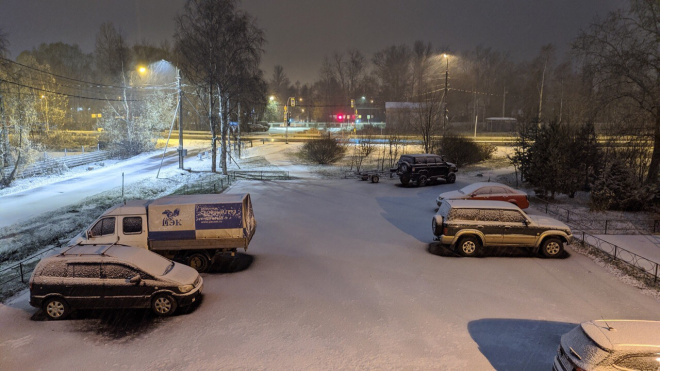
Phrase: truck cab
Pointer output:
(122, 224)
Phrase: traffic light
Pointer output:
(292, 102)
(351, 102)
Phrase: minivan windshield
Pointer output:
(149, 262)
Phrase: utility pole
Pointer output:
(446, 92)
(180, 149)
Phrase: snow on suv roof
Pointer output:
(482, 204)
(624, 334)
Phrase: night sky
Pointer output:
(300, 33)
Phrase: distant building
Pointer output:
(397, 114)
(498, 124)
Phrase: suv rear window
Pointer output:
(463, 214)
(512, 217)
(54, 269)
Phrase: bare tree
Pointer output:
(393, 69)
(111, 54)
(621, 54)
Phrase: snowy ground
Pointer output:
(344, 277)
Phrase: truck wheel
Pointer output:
(163, 305)
(405, 180)
(199, 261)
(552, 247)
(375, 179)
(468, 246)
(422, 181)
(55, 308)
(451, 178)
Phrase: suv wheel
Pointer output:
(55, 308)
(422, 181)
(437, 225)
(468, 246)
(404, 167)
(451, 178)
(405, 180)
(552, 247)
(163, 305)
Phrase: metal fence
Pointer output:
(14, 277)
(651, 268)
(601, 226)
(259, 175)
(51, 165)
(590, 227)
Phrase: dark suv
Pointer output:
(424, 168)
(111, 276)
(469, 225)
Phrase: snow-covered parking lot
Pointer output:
(344, 277)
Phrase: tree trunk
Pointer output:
(223, 132)
(211, 122)
(654, 171)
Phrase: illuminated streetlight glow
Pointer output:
(141, 70)
(271, 98)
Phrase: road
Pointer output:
(33, 202)
(344, 276)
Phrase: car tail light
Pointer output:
(445, 231)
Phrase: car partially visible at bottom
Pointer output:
(610, 345)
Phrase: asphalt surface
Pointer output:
(341, 275)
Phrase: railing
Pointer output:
(50, 165)
(651, 268)
(13, 277)
(260, 175)
(601, 226)
(609, 226)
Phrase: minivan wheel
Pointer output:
(199, 261)
(552, 247)
(163, 305)
(55, 308)
(468, 246)
(422, 181)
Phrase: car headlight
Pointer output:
(185, 288)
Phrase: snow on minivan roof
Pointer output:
(148, 261)
(482, 204)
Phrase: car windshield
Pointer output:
(578, 345)
(469, 189)
(149, 262)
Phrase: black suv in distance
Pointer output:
(111, 276)
(424, 168)
(469, 225)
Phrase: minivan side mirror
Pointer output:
(135, 279)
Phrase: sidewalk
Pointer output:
(647, 246)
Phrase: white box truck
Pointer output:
(190, 229)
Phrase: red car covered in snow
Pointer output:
(487, 191)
